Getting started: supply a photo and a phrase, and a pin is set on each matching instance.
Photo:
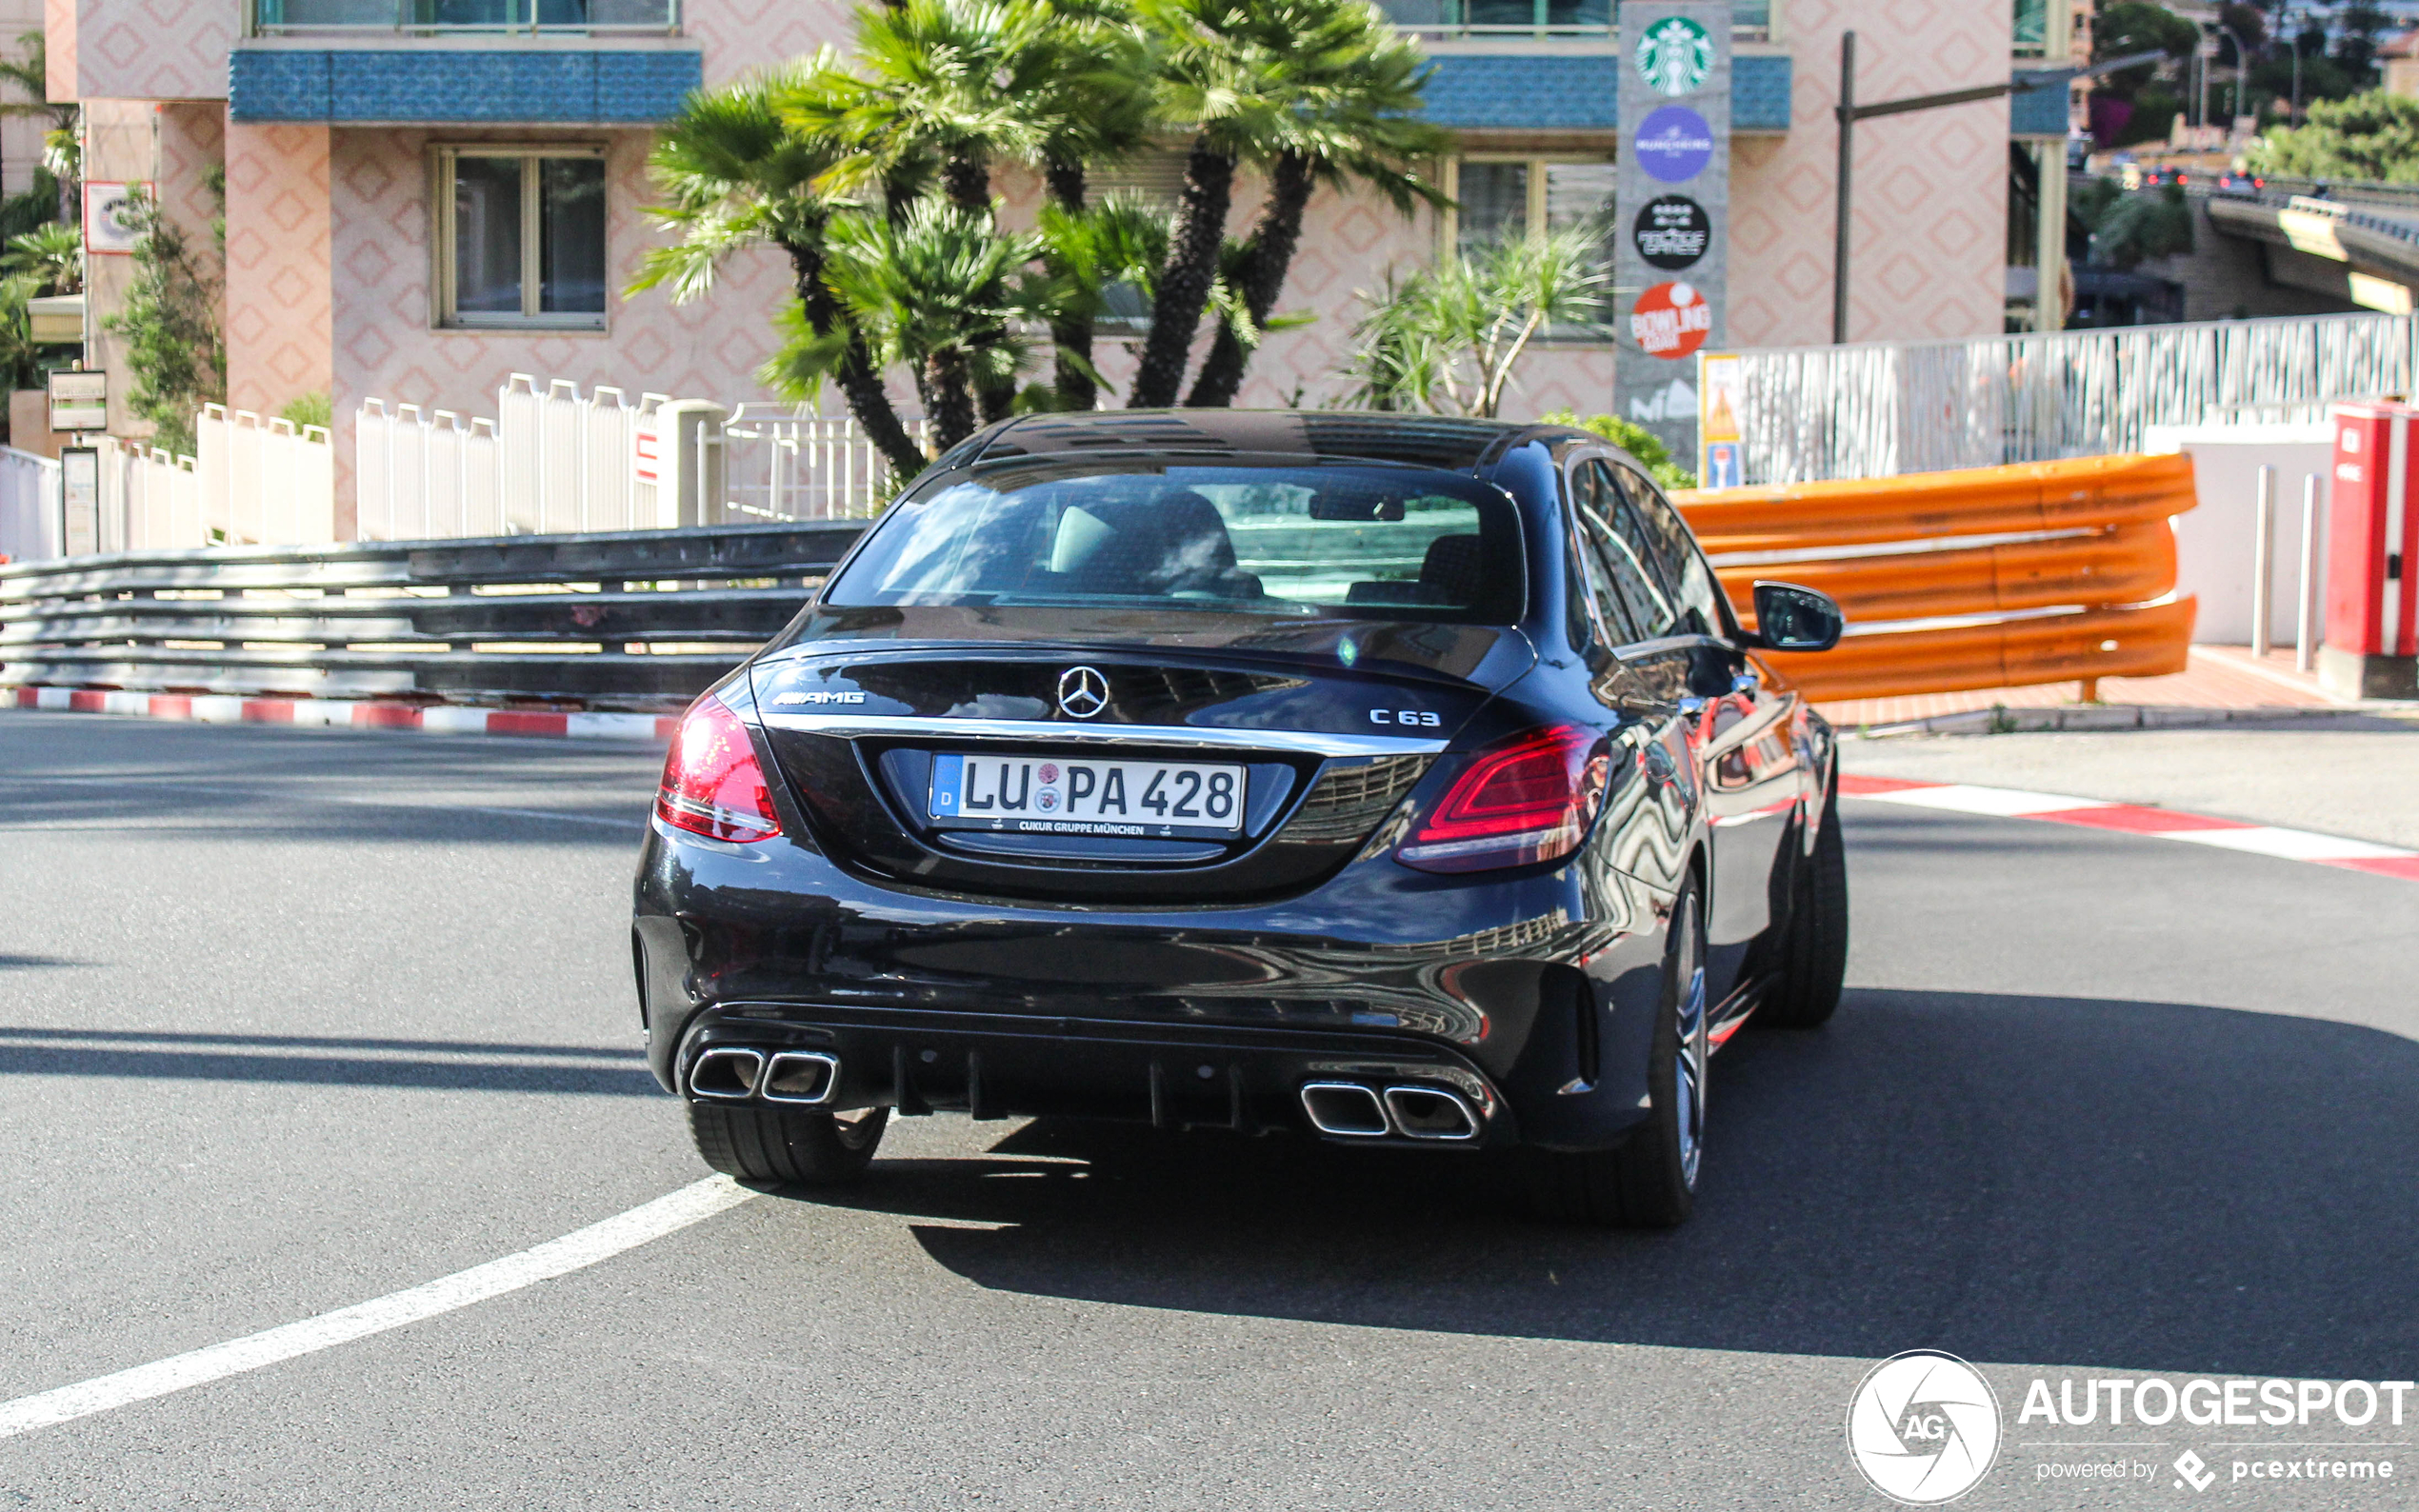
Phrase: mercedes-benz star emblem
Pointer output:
(1082, 692)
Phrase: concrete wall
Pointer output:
(142, 50)
(281, 292)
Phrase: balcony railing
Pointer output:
(525, 17)
(1511, 20)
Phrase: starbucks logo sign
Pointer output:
(1674, 55)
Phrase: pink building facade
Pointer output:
(423, 197)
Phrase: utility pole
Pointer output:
(1847, 169)
(1849, 112)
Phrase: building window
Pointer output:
(2033, 28)
(1511, 197)
(1749, 19)
(278, 17)
(520, 237)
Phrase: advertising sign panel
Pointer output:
(1671, 272)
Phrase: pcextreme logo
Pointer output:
(1923, 1427)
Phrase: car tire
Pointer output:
(1650, 1180)
(1814, 962)
(788, 1147)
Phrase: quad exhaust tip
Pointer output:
(726, 1073)
(801, 1077)
(1346, 1109)
(1431, 1113)
(1352, 1110)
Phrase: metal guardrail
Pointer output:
(1989, 577)
(641, 619)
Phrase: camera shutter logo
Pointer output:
(1082, 692)
(1923, 1427)
(1675, 55)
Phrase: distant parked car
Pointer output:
(2153, 176)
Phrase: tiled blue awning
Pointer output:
(452, 86)
(1579, 91)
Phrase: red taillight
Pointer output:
(712, 783)
(1526, 798)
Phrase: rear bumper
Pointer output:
(1170, 1076)
(1532, 996)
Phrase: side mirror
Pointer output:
(1789, 618)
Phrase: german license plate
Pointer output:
(1052, 795)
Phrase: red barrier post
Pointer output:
(2372, 535)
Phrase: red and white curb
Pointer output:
(2136, 818)
(352, 714)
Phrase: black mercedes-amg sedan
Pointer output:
(1387, 780)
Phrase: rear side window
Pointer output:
(1623, 555)
(1674, 550)
(1377, 542)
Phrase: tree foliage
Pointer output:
(1633, 438)
(169, 323)
(2367, 136)
(1449, 340)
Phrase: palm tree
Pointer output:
(1117, 240)
(62, 155)
(937, 291)
(935, 80)
(1094, 110)
(966, 83)
(735, 174)
(53, 254)
(1225, 69)
(1359, 86)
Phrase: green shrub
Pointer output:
(1634, 439)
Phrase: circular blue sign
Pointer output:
(1674, 144)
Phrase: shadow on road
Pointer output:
(467, 1065)
(2136, 1185)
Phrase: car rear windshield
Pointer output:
(1374, 542)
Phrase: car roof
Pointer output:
(1449, 441)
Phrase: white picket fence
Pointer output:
(551, 461)
(29, 520)
(257, 482)
(555, 460)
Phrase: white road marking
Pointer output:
(2293, 845)
(557, 1256)
(2007, 803)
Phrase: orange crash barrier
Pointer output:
(1987, 577)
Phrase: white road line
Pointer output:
(557, 1256)
(2292, 844)
(2006, 802)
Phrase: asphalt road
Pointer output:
(290, 1020)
